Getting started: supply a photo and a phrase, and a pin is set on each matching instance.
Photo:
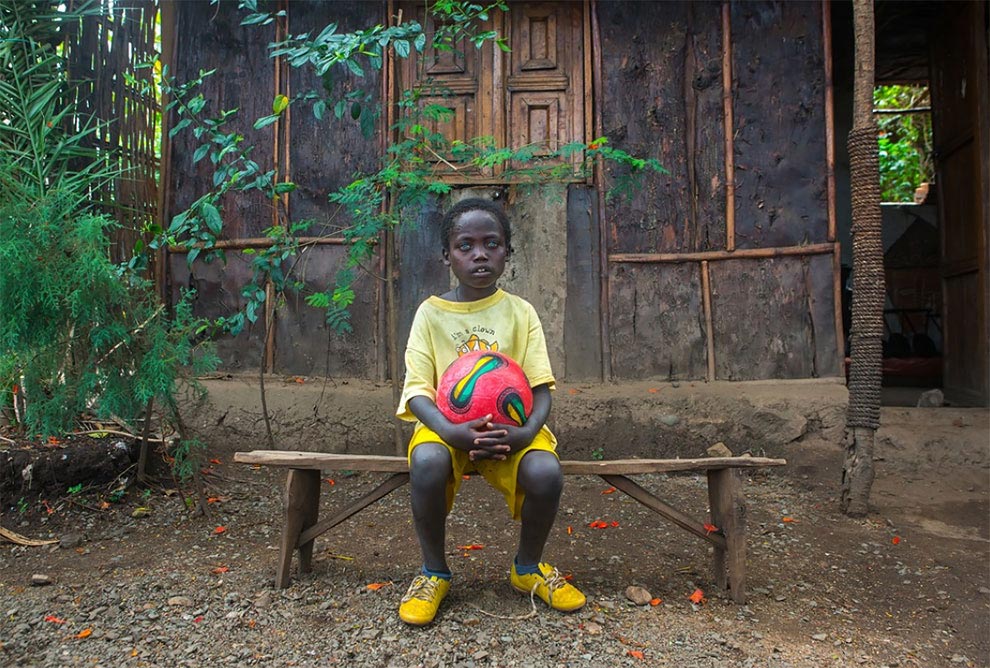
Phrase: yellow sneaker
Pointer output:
(419, 605)
(550, 586)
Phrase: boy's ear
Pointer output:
(446, 257)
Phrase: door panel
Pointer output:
(958, 85)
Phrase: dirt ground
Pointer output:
(907, 586)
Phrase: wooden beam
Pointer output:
(301, 503)
(840, 336)
(389, 464)
(664, 509)
(728, 510)
(829, 116)
(730, 158)
(743, 253)
(258, 242)
(706, 299)
(393, 483)
(598, 101)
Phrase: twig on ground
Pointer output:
(8, 440)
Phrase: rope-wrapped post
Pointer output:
(866, 335)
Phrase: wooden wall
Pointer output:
(726, 268)
(319, 155)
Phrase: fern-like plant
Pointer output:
(78, 334)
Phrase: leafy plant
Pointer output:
(905, 141)
(79, 335)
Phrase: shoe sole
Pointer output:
(526, 591)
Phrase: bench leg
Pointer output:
(728, 510)
(302, 503)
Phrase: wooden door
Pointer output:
(959, 107)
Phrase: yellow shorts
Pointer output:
(502, 475)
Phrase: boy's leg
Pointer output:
(542, 482)
(429, 470)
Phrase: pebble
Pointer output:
(40, 580)
(638, 595)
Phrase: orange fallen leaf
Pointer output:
(656, 601)
(216, 461)
(54, 620)
(598, 524)
(104, 505)
(134, 652)
(219, 530)
(570, 530)
(610, 490)
(635, 653)
(697, 597)
(375, 586)
(472, 546)
(251, 623)
(569, 577)
(220, 569)
(790, 520)
(465, 477)
(653, 390)
(212, 499)
(895, 540)
(299, 380)
(614, 523)
(197, 619)
(330, 481)
(709, 528)
(85, 633)
(54, 441)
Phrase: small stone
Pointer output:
(593, 629)
(638, 595)
(71, 541)
(819, 637)
(959, 658)
(40, 580)
(719, 450)
(931, 399)
(183, 601)
(263, 601)
(669, 420)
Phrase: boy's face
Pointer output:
(476, 254)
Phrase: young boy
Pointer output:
(520, 462)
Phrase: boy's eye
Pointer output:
(493, 243)
(464, 247)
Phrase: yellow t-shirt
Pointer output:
(444, 330)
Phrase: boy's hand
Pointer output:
(508, 438)
(476, 437)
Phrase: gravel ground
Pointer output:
(167, 589)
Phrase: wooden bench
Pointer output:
(725, 497)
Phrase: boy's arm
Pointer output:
(517, 438)
(463, 436)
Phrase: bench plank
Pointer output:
(391, 464)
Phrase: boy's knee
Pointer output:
(540, 474)
(430, 464)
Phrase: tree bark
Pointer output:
(866, 344)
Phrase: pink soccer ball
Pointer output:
(484, 382)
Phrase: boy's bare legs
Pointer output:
(542, 482)
(430, 469)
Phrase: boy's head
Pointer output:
(452, 216)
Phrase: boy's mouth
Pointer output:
(481, 271)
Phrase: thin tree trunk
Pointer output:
(866, 345)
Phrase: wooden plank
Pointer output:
(582, 317)
(730, 152)
(779, 137)
(393, 483)
(662, 99)
(301, 503)
(728, 510)
(664, 509)
(657, 322)
(706, 296)
(305, 345)
(750, 253)
(599, 178)
(384, 463)
(773, 318)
